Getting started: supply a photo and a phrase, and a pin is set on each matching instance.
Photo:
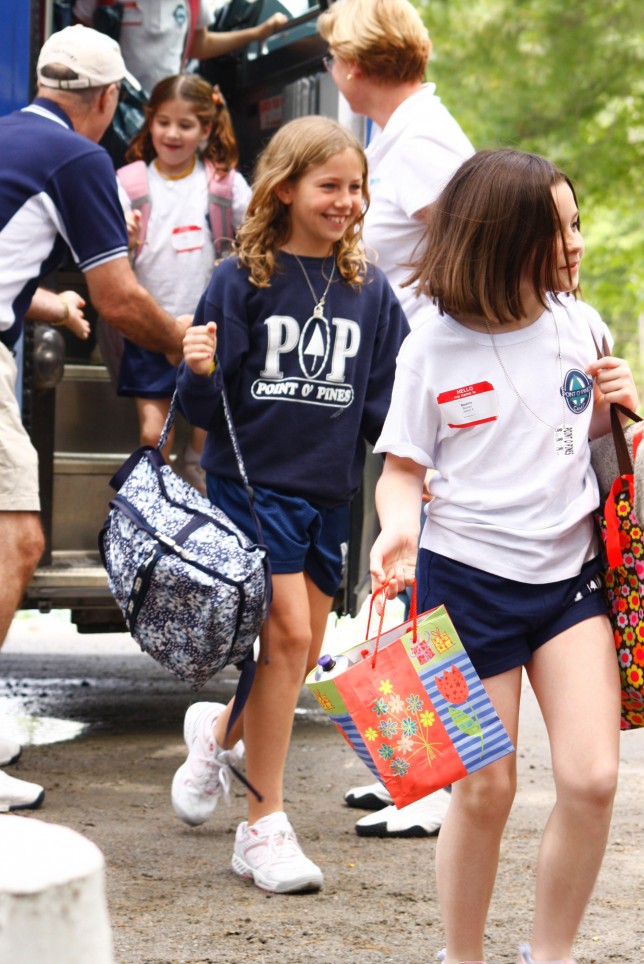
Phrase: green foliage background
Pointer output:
(563, 79)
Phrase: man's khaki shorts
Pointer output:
(19, 490)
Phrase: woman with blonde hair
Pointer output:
(378, 55)
(379, 51)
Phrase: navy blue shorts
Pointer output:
(300, 536)
(145, 374)
(502, 622)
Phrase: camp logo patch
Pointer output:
(577, 391)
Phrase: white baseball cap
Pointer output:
(93, 56)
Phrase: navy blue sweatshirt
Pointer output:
(304, 392)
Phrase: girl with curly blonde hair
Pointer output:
(296, 149)
(306, 332)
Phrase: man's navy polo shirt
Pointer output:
(57, 188)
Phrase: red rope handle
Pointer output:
(413, 615)
(613, 547)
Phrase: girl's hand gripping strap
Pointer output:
(625, 464)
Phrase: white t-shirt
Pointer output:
(177, 258)
(410, 161)
(504, 501)
(153, 35)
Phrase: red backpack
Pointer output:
(134, 179)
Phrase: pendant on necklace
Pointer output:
(318, 311)
(564, 440)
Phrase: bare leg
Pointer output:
(575, 679)
(467, 851)
(298, 616)
(152, 413)
(198, 439)
(21, 546)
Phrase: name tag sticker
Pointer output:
(469, 405)
(189, 238)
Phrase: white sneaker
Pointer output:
(10, 750)
(423, 818)
(18, 794)
(525, 957)
(201, 780)
(268, 852)
(374, 796)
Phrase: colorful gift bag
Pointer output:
(621, 494)
(624, 574)
(412, 706)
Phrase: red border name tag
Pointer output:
(469, 405)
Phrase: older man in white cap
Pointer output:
(58, 190)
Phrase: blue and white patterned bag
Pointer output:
(191, 586)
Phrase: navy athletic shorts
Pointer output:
(300, 536)
(502, 622)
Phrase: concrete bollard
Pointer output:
(52, 896)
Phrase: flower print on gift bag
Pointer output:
(412, 706)
(621, 532)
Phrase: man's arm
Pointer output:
(207, 44)
(127, 306)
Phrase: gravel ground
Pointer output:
(171, 894)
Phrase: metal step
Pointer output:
(95, 432)
(69, 570)
(81, 498)
(76, 581)
(90, 416)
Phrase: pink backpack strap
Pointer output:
(220, 208)
(134, 180)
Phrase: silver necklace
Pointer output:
(563, 432)
(318, 311)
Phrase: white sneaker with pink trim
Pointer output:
(205, 776)
(268, 852)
